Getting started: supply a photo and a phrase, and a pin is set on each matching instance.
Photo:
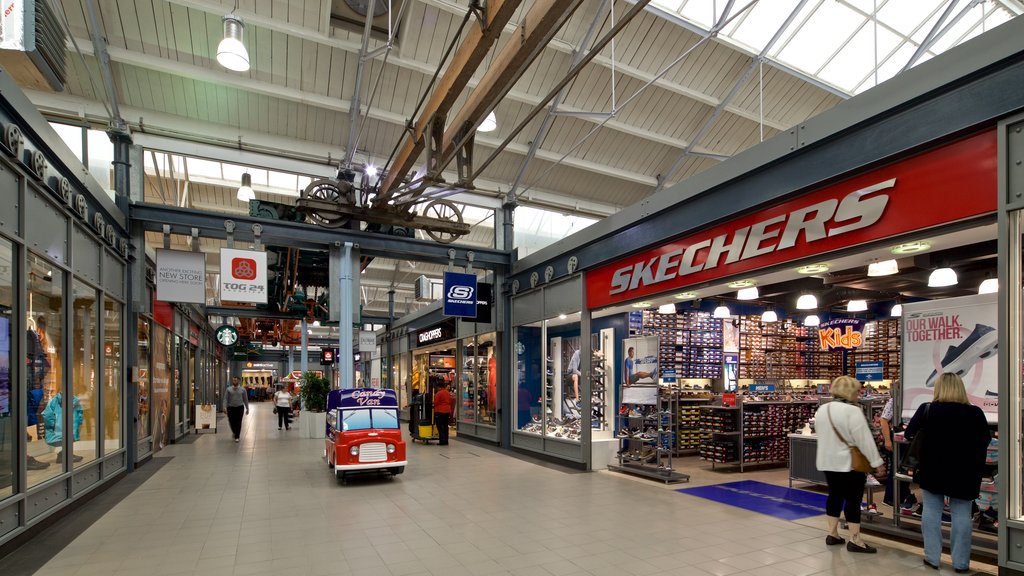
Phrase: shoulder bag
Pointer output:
(858, 462)
(911, 461)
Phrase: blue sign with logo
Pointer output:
(870, 370)
(762, 387)
(460, 294)
(668, 375)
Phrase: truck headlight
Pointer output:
(391, 448)
(354, 450)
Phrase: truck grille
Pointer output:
(373, 452)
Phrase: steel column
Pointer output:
(343, 300)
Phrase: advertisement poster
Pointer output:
(958, 335)
(206, 417)
(180, 276)
(243, 276)
(640, 365)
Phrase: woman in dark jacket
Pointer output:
(952, 465)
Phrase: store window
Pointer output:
(144, 426)
(161, 387)
(44, 370)
(111, 375)
(84, 399)
(1015, 301)
(478, 383)
(7, 399)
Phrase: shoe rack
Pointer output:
(751, 433)
(783, 350)
(648, 435)
(688, 430)
(881, 343)
(690, 341)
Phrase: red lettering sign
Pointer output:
(940, 186)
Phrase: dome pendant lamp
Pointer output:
(231, 52)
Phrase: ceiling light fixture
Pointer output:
(911, 247)
(371, 170)
(769, 316)
(316, 323)
(883, 268)
(941, 277)
(750, 293)
(806, 302)
(245, 192)
(813, 268)
(686, 296)
(641, 304)
(857, 306)
(231, 52)
(989, 286)
(667, 309)
(741, 284)
(562, 316)
(490, 123)
(722, 311)
(812, 320)
(897, 310)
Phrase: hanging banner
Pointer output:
(367, 341)
(958, 335)
(243, 276)
(640, 365)
(460, 294)
(180, 276)
(841, 334)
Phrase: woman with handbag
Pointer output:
(952, 437)
(283, 407)
(846, 453)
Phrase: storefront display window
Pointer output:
(111, 375)
(529, 396)
(478, 382)
(85, 413)
(7, 398)
(44, 370)
(144, 425)
(161, 379)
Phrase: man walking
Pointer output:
(444, 405)
(235, 401)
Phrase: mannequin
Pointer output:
(53, 422)
(492, 380)
(37, 367)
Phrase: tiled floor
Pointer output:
(269, 506)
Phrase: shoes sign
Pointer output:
(243, 276)
(460, 292)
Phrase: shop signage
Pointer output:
(367, 341)
(729, 399)
(484, 301)
(206, 417)
(227, 335)
(193, 334)
(243, 276)
(327, 356)
(940, 186)
(180, 276)
(435, 334)
(870, 371)
(668, 374)
(841, 334)
(762, 387)
(460, 294)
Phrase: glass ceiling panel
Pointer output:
(834, 40)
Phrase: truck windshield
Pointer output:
(367, 419)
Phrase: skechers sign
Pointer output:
(940, 186)
(460, 294)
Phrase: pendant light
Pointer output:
(857, 306)
(231, 52)
(245, 192)
(897, 310)
(722, 312)
(667, 309)
(490, 123)
(989, 286)
(812, 320)
(806, 302)
(749, 293)
(883, 268)
(942, 277)
(769, 316)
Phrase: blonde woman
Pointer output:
(840, 424)
(952, 465)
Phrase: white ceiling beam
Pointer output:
(157, 64)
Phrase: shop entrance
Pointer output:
(259, 383)
(434, 368)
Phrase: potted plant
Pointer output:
(314, 403)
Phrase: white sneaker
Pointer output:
(872, 481)
(236, 439)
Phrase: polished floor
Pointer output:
(268, 505)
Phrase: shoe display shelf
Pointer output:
(688, 430)
(691, 342)
(720, 430)
(648, 436)
(752, 433)
(598, 391)
(881, 343)
(783, 350)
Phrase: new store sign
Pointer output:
(841, 334)
(243, 276)
(943, 185)
(180, 276)
(460, 294)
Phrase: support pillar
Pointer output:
(346, 376)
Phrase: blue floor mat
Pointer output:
(777, 501)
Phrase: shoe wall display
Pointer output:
(881, 342)
(690, 341)
(784, 349)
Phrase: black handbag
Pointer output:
(912, 459)
(275, 409)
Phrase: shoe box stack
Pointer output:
(881, 342)
(766, 427)
(689, 425)
(713, 420)
(691, 342)
(783, 349)
(718, 451)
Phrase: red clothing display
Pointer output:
(492, 382)
(443, 402)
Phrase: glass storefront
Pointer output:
(112, 327)
(161, 387)
(44, 371)
(84, 398)
(144, 424)
(478, 392)
(7, 396)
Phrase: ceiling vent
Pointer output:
(32, 46)
(423, 290)
(351, 15)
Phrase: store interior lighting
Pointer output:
(769, 316)
(941, 277)
(371, 170)
(722, 312)
(245, 192)
(883, 268)
(857, 306)
(806, 302)
(490, 124)
(897, 311)
(749, 293)
(812, 320)
(231, 52)
(667, 309)
(989, 286)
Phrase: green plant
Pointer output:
(314, 392)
